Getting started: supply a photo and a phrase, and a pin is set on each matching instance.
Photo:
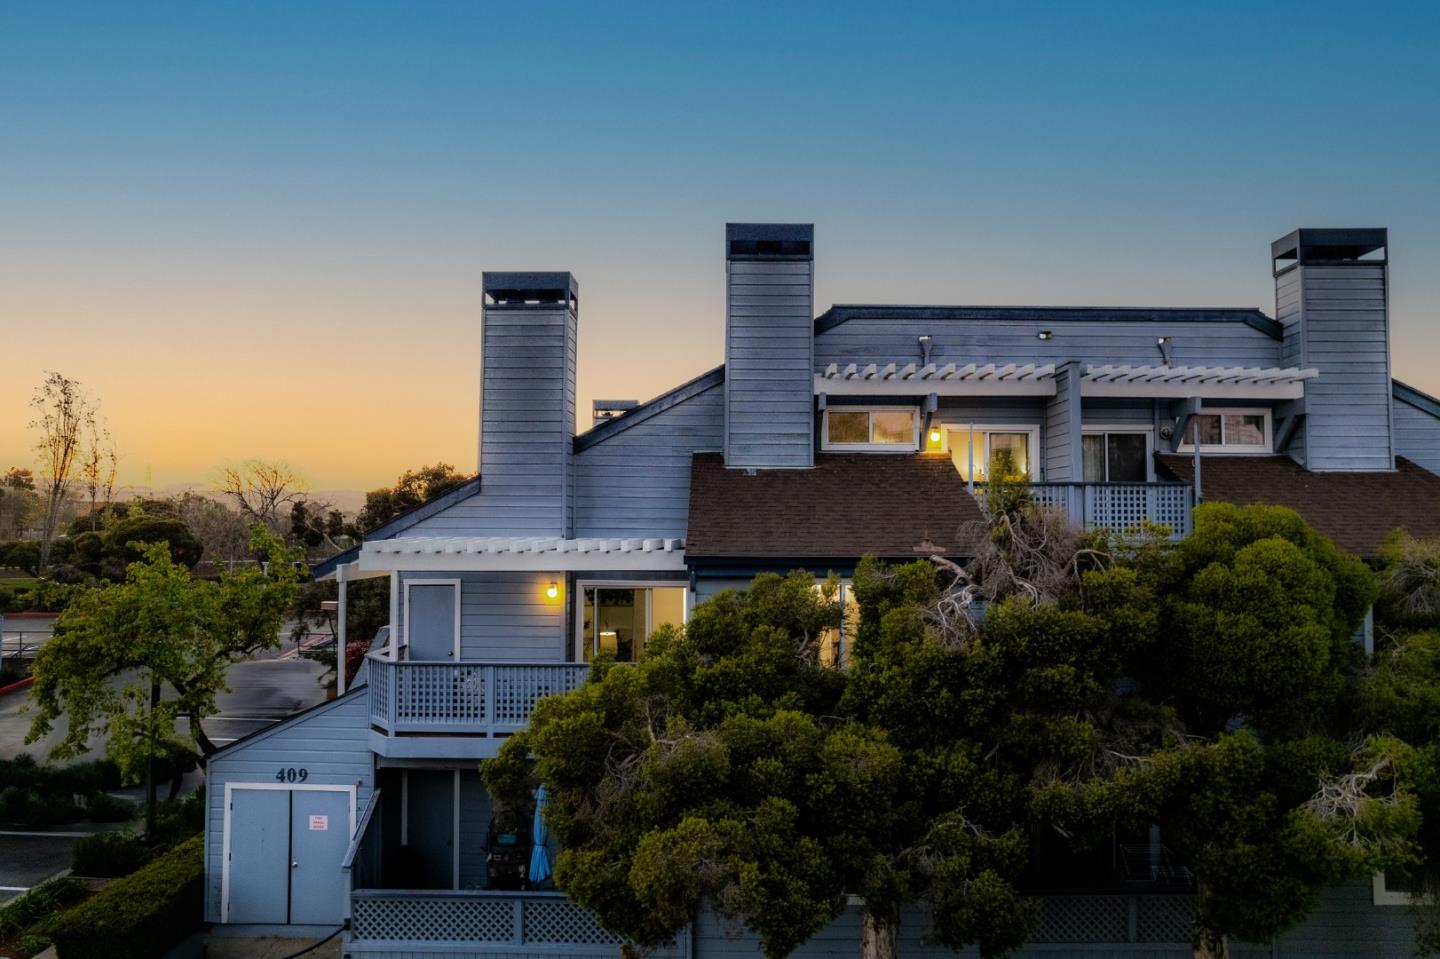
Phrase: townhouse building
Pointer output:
(860, 429)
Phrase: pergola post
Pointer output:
(341, 582)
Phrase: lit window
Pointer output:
(1116, 457)
(881, 430)
(619, 619)
(994, 453)
(1233, 431)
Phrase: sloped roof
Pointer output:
(847, 506)
(1253, 318)
(1356, 510)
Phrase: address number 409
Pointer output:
(290, 774)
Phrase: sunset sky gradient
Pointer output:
(257, 229)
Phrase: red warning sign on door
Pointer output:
(319, 823)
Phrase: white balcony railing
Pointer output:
(1116, 506)
(485, 699)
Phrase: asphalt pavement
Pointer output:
(262, 692)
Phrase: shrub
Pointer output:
(110, 854)
(142, 915)
(24, 911)
(127, 538)
(178, 819)
(107, 808)
(69, 575)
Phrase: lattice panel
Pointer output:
(1117, 507)
(1083, 919)
(1164, 919)
(433, 919)
(561, 921)
(518, 688)
(440, 693)
(380, 704)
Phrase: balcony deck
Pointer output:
(445, 710)
(1116, 506)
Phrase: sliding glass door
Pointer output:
(618, 619)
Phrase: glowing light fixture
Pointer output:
(1045, 335)
(552, 591)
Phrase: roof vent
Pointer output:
(603, 410)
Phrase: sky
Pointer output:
(258, 229)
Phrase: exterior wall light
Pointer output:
(1045, 335)
(552, 591)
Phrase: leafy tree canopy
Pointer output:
(410, 490)
(1061, 687)
(160, 624)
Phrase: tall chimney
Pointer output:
(769, 345)
(1332, 298)
(527, 399)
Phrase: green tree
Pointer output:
(130, 659)
(65, 414)
(367, 610)
(1254, 779)
(125, 541)
(410, 490)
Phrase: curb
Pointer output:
(17, 685)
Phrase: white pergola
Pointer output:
(522, 553)
(1038, 379)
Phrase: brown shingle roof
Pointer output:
(1356, 510)
(849, 505)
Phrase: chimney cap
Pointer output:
(1330, 245)
(770, 241)
(530, 288)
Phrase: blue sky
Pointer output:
(258, 228)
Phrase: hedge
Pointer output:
(142, 915)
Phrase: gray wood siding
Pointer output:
(527, 422)
(1101, 341)
(329, 742)
(637, 482)
(1061, 440)
(769, 363)
(1347, 923)
(1119, 412)
(505, 616)
(1337, 323)
(1417, 435)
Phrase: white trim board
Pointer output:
(230, 789)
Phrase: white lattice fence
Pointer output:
(1164, 918)
(519, 688)
(1083, 919)
(432, 918)
(561, 921)
(1155, 919)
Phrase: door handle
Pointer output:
(294, 865)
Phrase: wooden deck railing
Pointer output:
(1116, 506)
(477, 698)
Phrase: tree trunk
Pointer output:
(879, 937)
(1210, 943)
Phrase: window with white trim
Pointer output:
(1394, 887)
(1115, 455)
(893, 429)
(998, 452)
(1228, 431)
(618, 618)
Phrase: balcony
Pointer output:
(1116, 506)
(445, 710)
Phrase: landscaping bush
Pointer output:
(179, 819)
(107, 808)
(25, 920)
(140, 916)
(110, 855)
